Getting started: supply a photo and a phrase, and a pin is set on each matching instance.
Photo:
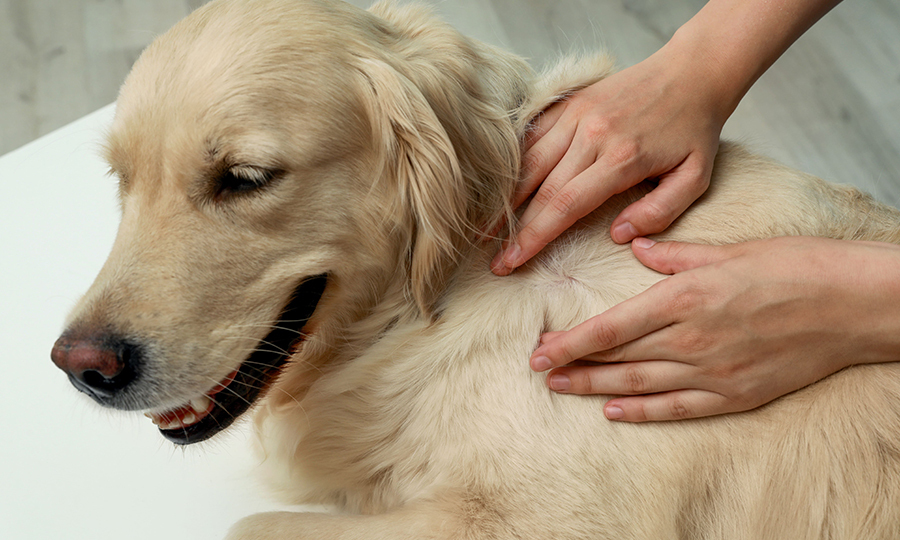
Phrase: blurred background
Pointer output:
(830, 106)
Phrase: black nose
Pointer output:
(99, 366)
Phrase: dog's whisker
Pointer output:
(270, 325)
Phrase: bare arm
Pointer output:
(658, 119)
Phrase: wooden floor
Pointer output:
(830, 106)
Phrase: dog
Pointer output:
(302, 186)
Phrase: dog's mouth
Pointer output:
(204, 416)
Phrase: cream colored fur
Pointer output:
(411, 406)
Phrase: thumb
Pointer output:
(655, 211)
(674, 257)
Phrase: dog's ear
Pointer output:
(424, 176)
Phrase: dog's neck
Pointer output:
(450, 127)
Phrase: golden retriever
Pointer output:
(302, 184)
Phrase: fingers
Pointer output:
(677, 405)
(674, 257)
(563, 187)
(543, 123)
(579, 182)
(623, 379)
(602, 338)
(557, 206)
(637, 329)
(542, 152)
(657, 210)
(654, 390)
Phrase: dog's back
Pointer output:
(452, 407)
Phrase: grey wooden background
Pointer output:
(829, 106)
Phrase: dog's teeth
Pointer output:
(200, 404)
(186, 415)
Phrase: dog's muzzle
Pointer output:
(105, 367)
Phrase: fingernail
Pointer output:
(511, 256)
(643, 243)
(559, 382)
(623, 232)
(613, 412)
(541, 363)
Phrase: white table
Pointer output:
(69, 469)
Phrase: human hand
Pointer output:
(734, 328)
(658, 119)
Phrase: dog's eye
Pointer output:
(241, 179)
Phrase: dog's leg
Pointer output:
(431, 520)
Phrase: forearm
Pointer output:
(732, 43)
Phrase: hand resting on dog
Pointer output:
(658, 119)
(794, 310)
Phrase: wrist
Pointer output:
(713, 66)
(731, 43)
(883, 285)
(857, 286)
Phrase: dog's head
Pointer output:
(282, 165)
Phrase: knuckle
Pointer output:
(623, 154)
(597, 127)
(636, 380)
(529, 237)
(678, 409)
(734, 368)
(656, 216)
(532, 162)
(545, 194)
(745, 395)
(637, 412)
(676, 250)
(566, 353)
(680, 303)
(693, 342)
(603, 335)
(687, 296)
(563, 351)
(742, 400)
(584, 383)
(700, 181)
(611, 356)
(565, 202)
(724, 374)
